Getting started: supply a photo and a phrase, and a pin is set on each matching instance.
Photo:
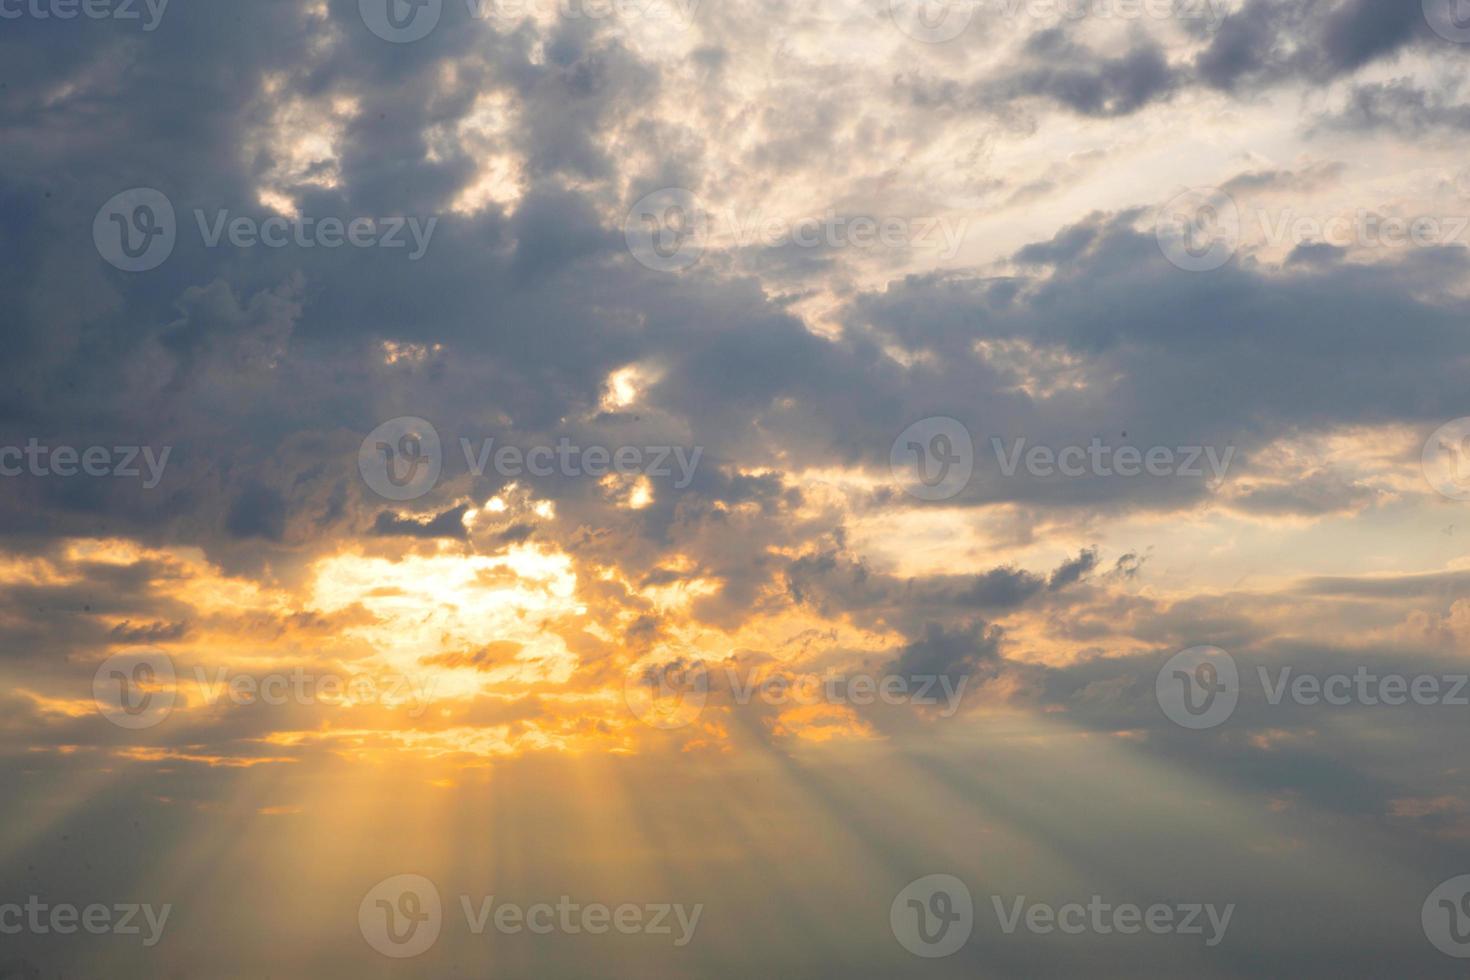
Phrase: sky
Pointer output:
(936, 488)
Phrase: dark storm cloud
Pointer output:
(955, 653)
(448, 524)
(1391, 586)
(1268, 41)
(1401, 107)
(1088, 83)
(1264, 43)
(1054, 67)
(835, 583)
